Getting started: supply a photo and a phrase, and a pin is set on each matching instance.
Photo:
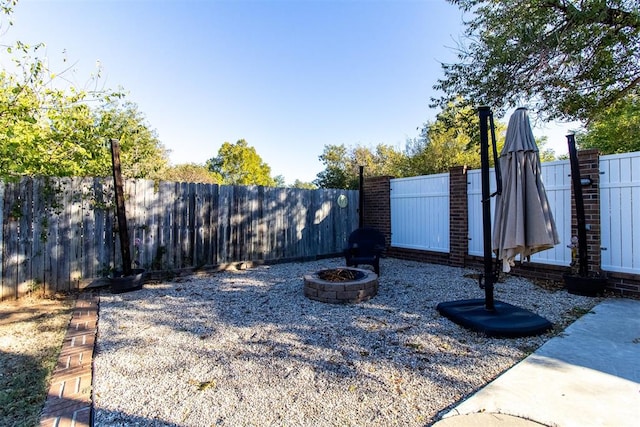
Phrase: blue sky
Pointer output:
(287, 76)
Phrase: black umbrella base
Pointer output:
(505, 321)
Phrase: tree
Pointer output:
(278, 181)
(546, 154)
(564, 59)
(451, 140)
(191, 172)
(342, 165)
(616, 130)
(143, 155)
(51, 131)
(240, 164)
(335, 174)
(304, 185)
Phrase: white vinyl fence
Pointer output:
(420, 212)
(557, 182)
(620, 212)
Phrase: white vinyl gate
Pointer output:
(620, 212)
(420, 212)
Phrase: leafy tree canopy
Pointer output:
(304, 185)
(616, 129)
(191, 172)
(46, 130)
(240, 164)
(342, 165)
(564, 59)
(451, 140)
(142, 153)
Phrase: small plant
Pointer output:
(157, 260)
(136, 251)
(105, 271)
(34, 286)
(580, 281)
(575, 260)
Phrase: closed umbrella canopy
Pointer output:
(523, 223)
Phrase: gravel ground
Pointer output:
(246, 348)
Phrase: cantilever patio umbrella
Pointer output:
(523, 223)
(497, 318)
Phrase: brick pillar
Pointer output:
(377, 204)
(589, 161)
(458, 216)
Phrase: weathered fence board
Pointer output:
(60, 234)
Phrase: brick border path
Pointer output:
(69, 399)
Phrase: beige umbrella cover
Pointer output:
(523, 223)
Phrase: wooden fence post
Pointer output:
(123, 232)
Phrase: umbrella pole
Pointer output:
(485, 113)
(120, 210)
(492, 317)
(361, 198)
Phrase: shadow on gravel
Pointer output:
(396, 326)
(261, 317)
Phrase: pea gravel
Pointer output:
(246, 348)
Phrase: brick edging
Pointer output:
(69, 398)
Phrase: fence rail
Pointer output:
(60, 234)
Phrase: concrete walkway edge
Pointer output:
(586, 376)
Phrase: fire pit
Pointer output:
(341, 285)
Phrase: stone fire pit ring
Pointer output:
(357, 290)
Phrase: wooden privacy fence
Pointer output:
(59, 234)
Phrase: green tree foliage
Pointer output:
(142, 153)
(337, 168)
(565, 59)
(191, 172)
(342, 165)
(451, 140)
(546, 154)
(304, 185)
(616, 130)
(46, 130)
(240, 164)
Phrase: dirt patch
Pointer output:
(31, 334)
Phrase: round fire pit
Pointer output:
(341, 285)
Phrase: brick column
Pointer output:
(458, 216)
(377, 204)
(589, 161)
